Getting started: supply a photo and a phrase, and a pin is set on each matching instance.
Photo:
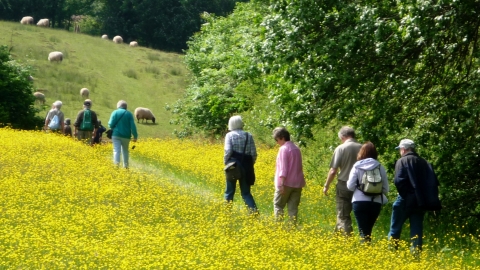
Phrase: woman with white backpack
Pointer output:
(368, 180)
(55, 118)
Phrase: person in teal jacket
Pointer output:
(123, 125)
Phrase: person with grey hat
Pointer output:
(417, 187)
(343, 159)
(86, 123)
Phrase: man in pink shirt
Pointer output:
(289, 179)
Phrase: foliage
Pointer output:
(390, 69)
(393, 70)
(16, 101)
(225, 74)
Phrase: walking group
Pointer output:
(361, 185)
(88, 128)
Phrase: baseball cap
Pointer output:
(406, 143)
(87, 102)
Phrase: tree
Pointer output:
(16, 99)
(226, 78)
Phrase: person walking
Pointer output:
(123, 126)
(289, 178)
(86, 123)
(344, 157)
(366, 207)
(67, 130)
(55, 117)
(240, 148)
(417, 187)
(98, 134)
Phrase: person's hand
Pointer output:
(325, 190)
(281, 189)
(134, 140)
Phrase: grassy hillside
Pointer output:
(143, 77)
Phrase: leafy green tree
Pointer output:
(393, 70)
(16, 99)
(225, 73)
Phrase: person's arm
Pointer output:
(228, 148)
(47, 121)
(352, 179)
(134, 128)
(253, 149)
(331, 175)
(282, 168)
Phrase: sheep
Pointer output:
(118, 39)
(39, 97)
(43, 22)
(104, 36)
(27, 20)
(84, 92)
(55, 56)
(144, 113)
(133, 44)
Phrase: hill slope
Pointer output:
(143, 77)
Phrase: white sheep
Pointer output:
(133, 44)
(27, 20)
(144, 113)
(84, 92)
(40, 97)
(43, 22)
(104, 36)
(55, 57)
(118, 39)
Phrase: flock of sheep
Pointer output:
(140, 112)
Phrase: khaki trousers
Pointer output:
(344, 208)
(291, 198)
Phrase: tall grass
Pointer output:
(110, 71)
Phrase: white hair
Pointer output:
(57, 104)
(235, 122)
(122, 104)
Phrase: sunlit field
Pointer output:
(65, 206)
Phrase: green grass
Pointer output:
(141, 76)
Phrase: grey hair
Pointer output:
(346, 132)
(58, 104)
(281, 133)
(235, 122)
(122, 104)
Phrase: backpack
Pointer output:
(87, 121)
(54, 123)
(371, 183)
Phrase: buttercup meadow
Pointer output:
(65, 206)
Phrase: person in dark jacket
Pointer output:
(417, 188)
(98, 134)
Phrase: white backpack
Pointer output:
(54, 123)
(371, 183)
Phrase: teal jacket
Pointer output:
(123, 126)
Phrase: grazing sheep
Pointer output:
(118, 39)
(55, 57)
(104, 36)
(133, 44)
(27, 20)
(40, 97)
(144, 113)
(43, 22)
(84, 92)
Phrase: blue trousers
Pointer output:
(245, 191)
(120, 145)
(366, 214)
(400, 214)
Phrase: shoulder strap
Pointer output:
(119, 119)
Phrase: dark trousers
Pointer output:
(366, 214)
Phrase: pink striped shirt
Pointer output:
(289, 165)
